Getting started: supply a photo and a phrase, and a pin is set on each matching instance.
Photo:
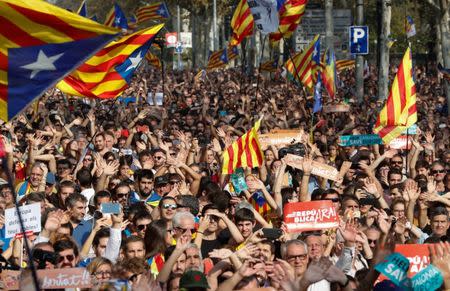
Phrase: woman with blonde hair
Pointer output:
(100, 269)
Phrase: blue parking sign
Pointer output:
(359, 40)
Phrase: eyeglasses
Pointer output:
(70, 258)
(169, 206)
(122, 195)
(141, 227)
(184, 230)
(7, 192)
(182, 206)
(333, 199)
(158, 157)
(88, 160)
(294, 257)
(372, 241)
(103, 274)
(434, 172)
(397, 162)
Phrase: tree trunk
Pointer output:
(445, 42)
(383, 70)
(438, 45)
(329, 28)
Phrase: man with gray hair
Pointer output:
(183, 225)
(295, 252)
(194, 257)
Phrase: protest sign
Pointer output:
(318, 169)
(359, 140)
(238, 181)
(336, 108)
(418, 256)
(395, 267)
(64, 278)
(429, 278)
(411, 130)
(312, 215)
(50, 279)
(159, 96)
(400, 143)
(279, 139)
(31, 216)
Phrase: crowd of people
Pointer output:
(181, 224)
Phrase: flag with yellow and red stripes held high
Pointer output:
(344, 65)
(154, 11)
(301, 66)
(40, 44)
(107, 74)
(290, 14)
(153, 60)
(241, 23)
(244, 152)
(400, 111)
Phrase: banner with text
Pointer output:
(336, 108)
(318, 169)
(359, 140)
(31, 216)
(313, 215)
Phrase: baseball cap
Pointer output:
(192, 279)
(50, 179)
(161, 180)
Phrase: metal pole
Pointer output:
(215, 43)
(178, 36)
(329, 27)
(360, 58)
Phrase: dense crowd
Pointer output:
(182, 224)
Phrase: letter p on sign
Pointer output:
(357, 34)
(359, 40)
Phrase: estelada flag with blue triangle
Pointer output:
(107, 74)
(116, 18)
(83, 9)
(39, 45)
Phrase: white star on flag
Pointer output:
(161, 11)
(135, 62)
(43, 63)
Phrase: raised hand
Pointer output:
(221, 253)
(440, 258)
(111, 168)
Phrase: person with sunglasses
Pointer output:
(167, 209)
(67, 251)
(183, 224)
(438, 171)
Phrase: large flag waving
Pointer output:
(290, 16)
(107, 74)
(329, 76)
(399, 112)
(244, 152)
(39, 45)
(241, 23)
(300, 67)
(83, 9)
(218, 59)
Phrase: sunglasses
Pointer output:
(89, 160)
(434, 172)
(184, 230)
(333, 199)
(370, 241)
(397, 162)
(122, 195)
(169, 206)
(70, 258)
(141, 227)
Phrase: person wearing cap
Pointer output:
(162, 186)
(193, 280)
(50, 182)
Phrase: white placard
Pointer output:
(159, 98)
(186, 39)
(31, 216)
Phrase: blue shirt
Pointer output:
(82, 231)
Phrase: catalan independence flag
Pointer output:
(116, 18)
(342, 65)
(200, 76)
(218, 59)
(155, 11)
(241, 23)
(244, 152)
(329, 76)
(108, 73)
(132, 22)
(39, 45)
(290, 16)
(300, 66)
(232, 52)
(399, 112)
(153, 60)
(83, 9)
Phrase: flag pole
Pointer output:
(259, 68)
(22, 226)
(407, 150)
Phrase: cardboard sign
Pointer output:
(336, 108)
(318, 169)
(411, 130)
(400, 143)
(31, 216)
(313, 215)
(429, 279)
(359, 140)
(395, 267)
(50, 279)
(418, 256)
(238, 181)
(279, 139)
(64, 278)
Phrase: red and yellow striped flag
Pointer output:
(241, 23)
(344, 65)
(290, 16)
(244, 152)
(153, 60)
(108, 72)
(300, 67)
(399, 112)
